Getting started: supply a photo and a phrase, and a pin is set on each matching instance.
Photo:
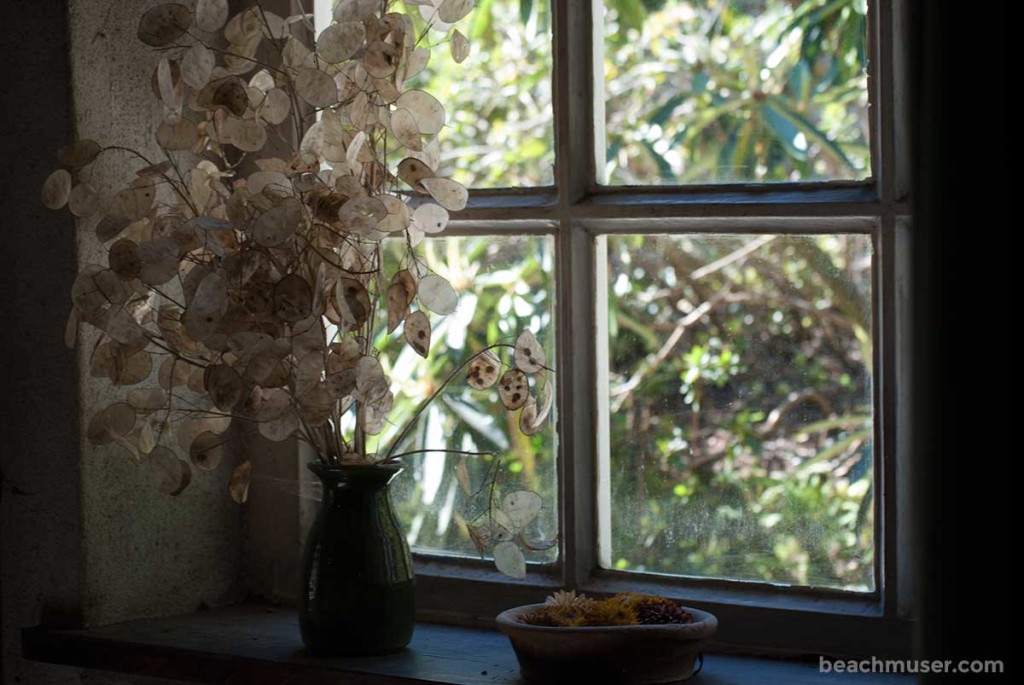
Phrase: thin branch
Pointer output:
(733, 256)
(177, 355)
(467, 453)
(226, 53)
(164, 295)
(792, 400)
(654, 362)
(425, 403)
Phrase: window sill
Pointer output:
(753, 618)
(251, 643)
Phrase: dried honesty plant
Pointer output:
(245, 280)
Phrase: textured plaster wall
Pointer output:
(146, 553)
(275, 519)
(200, 547)
(86, 536)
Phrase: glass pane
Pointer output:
(735, 91)
(740, 408)
(500, 130)
(506, 285)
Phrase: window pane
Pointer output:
(740, 408)
(735, 91)
(506, 285)
(500, 128)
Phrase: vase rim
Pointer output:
(343, 472)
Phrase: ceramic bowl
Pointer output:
(619, 655)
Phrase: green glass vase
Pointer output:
(359, 586)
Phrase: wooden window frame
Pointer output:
(578, 213)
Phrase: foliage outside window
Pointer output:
(735, 90)
(740, 369)
(741, 442)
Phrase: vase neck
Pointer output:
(370, 479)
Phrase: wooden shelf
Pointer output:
(255, 645)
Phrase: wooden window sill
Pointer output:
(256, 644)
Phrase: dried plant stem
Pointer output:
(174, 187)
(467, 453)
(360, 434)
(291, 90)
(164, 295)
(177, 355)
(437, 391)
(226, 53)
(128, 150)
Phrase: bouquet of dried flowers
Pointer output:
(245, 278)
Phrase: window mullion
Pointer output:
(890, 97)
(892, 531)
(573, 98)
(896, 418)
(897, 56)
(880, 93)
(577, 407)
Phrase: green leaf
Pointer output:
(830, 78)
(525, 10)
(800, 81)
(812, 132)
(707, 117)
(477, 421)
(662, 113)
(810, 14)
(852, 39)
(864, 508)
(700, 82)
(838, 448)
(783, 130)
(848, 421)
(482, 29)
(664, 168)
(723, 169)
(651, 340)
(743, 156)
(631, 13)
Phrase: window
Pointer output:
(704, 207)
(461, 457)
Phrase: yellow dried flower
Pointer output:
(567, 609)
(536, 618)
(556, 612)
(630, 599)
(610, 613)
(564, 616)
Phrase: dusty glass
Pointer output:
(734, 91)
(740, 408)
